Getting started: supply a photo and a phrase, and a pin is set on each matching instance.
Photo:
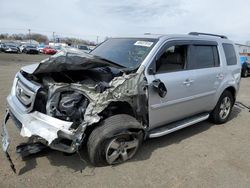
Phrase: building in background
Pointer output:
(243, 49)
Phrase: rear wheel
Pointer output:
(115, 141)
(221, 112)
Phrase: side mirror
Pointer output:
(151, 71)
(160, 87)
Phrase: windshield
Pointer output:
(127, 52)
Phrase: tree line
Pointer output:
(44, 39)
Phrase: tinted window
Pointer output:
(204, 57)
(230, 54)
(173, 59)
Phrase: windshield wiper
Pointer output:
(107, 60)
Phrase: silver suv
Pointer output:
(124, 91)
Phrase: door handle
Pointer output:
(188, 82)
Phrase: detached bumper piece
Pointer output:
(6, 141)
(24, 149)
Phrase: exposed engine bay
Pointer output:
(65, 103)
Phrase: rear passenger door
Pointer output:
(205, 65)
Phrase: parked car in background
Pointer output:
(1, 47)
(92, 47)
(245, 63)
(29, 49)
(49, 50)
(84, 48)
(57, 48)
(10, 48)
(40, 47)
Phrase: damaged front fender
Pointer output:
(123, 88)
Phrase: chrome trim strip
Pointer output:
(32, 86)
(25, 92)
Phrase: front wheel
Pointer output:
(244, 72)
(115, 141)
(223, 109)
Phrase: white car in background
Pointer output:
(84, 48)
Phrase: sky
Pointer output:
(88, 19)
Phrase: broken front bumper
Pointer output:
(55, 133)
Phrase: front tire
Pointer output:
(223, 109)
(115, 141)
(244, 73)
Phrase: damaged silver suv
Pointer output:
(124, 91)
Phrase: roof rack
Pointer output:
(208, 34)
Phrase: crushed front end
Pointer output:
(28, 115)
(55, 101)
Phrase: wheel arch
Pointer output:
(229, 88)
(118, 107)
(115, 108)
(232, 90)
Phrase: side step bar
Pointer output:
(177, 126)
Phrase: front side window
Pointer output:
(173, 59)
(230, 54)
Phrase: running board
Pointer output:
(177, 126)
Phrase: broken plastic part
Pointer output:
(26, 149)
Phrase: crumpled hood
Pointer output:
(67, 61)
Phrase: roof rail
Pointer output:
(208, 34)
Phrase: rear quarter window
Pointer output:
(230, 54)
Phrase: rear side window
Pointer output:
(230, 54)
(204, 56)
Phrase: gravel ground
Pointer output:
(203, 155)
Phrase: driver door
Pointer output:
(170, 69)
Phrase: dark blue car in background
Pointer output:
(245, 62)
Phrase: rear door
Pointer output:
(205, 65)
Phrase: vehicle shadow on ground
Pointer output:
(79, 162)
(177, 137)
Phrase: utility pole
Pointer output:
(97, 37)
(54, 38)
(29, 36)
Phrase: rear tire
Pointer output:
(116, 140)
(223, 109)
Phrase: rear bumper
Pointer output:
(35, 124)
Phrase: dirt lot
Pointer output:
(203, 155)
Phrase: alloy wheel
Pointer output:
(225, 108)
(121, 149)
